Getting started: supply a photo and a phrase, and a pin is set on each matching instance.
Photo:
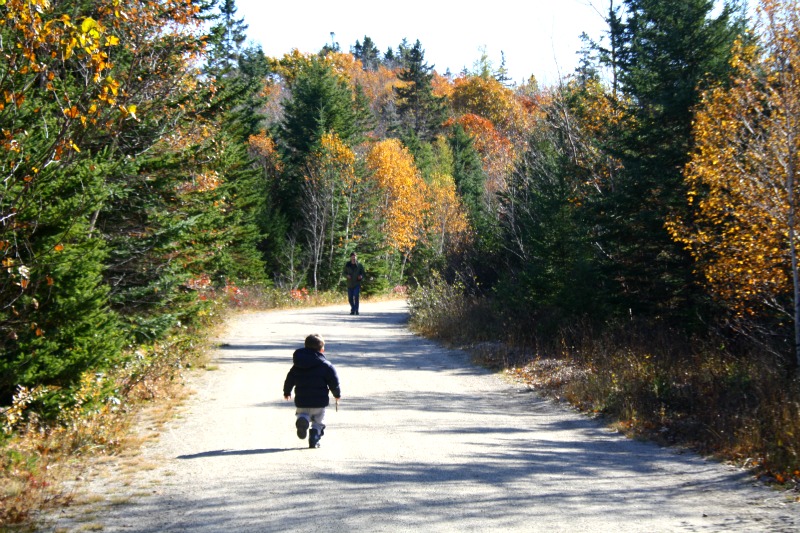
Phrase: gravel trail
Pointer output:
(422, 441)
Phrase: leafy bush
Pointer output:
(445, 311)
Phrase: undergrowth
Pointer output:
(647, 381)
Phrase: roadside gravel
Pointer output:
(422, 441)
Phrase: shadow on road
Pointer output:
(225, 453)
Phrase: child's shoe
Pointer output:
(302, 427)
(313, 438)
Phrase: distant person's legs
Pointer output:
(355, 300)
(352, 299)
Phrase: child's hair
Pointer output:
(315, 342)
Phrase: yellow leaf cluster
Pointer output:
(404, 193)
(742, 176)
(490, 99)
(446, 217)
(333, 165)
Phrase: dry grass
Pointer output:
(43, 463)
(649, 383)
(712, 402)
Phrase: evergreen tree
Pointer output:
(234, 103)
(321, 102)
(548, 270)
(225, 39)
(84, 128)
(389, 59)
(663, 53)
(418, 108)
(480, 262)
(367, 53)
(467, 171)
(61, 324)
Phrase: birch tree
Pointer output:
(743, 178)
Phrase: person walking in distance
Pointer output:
(311, 377)
(354, 272)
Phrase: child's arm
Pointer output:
(288, 385)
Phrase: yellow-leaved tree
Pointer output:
(743, 177)
(402, 193)
(447, 219)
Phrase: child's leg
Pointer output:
(302, 423)
(317, 426)
(317, 416)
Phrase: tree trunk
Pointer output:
(790, 183)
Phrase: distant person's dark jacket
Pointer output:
(311, 377)
(356, 273)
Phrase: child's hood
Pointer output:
(305, 358)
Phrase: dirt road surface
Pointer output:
(422, 441)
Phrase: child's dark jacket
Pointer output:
(311, 376)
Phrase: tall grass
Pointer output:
(649, 381)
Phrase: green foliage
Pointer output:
(321, 103)
(419, 109)
(662, 55)
(124, 197)
(367, 53)
(550, 273)
(71, 327)
(467, 170)
(482, 258)
(225, 40)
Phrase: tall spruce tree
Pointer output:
(321, 102)
(367, 53)
(225, 38)
(419, 109)
(664, 53)
(239, 75)
(480, 261)
(97, 233)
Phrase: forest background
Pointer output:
(625, 238)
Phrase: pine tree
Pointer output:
(481, 259)
(367, 53)
(84, 123)
(467, 170)
(321, 102)
(225, 39)
(235, 103)
(418, 108)
(663, 54)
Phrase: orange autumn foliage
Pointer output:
(403, 193)
(490, 99)
(496, 150)
(743, 174)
